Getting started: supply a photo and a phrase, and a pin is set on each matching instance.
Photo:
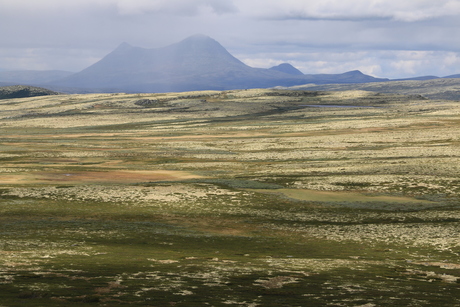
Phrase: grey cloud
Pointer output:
(122, 7)
(184, 7)
(354, 10)
(48, 58)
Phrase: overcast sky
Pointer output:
(383, 38)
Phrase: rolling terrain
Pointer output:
(438, 88)
(230, 198)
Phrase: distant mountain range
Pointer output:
(196, 63)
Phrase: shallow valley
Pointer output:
(235, 198)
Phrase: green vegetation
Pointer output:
(20, 91)
(239, 198)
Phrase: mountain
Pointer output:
(452, 76)
(354, 76)
(32, 77)
(196, 63)
(288, 69)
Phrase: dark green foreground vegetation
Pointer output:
(209, 200)
(69, 253)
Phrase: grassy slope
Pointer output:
(242, 198)
(442, 88)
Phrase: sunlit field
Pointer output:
(236, 198)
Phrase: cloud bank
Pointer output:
(357, 10)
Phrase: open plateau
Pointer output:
(259, 197)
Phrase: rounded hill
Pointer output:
(21, 91)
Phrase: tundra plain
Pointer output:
(234, 198)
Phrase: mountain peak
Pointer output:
(198, 37)
(200, 40)
(204, 51)
(288, 69)
(122, 48)
(124, 45)
(355, 73)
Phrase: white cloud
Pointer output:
(419, 63)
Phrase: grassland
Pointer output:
(236, 198)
